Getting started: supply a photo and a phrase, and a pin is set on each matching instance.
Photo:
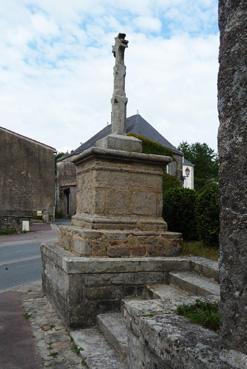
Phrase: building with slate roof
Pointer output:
(136, 124)
(27, 179)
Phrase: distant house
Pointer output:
(27, 179)
(66, 176)
(188, 174)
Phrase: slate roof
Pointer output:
(134, 124)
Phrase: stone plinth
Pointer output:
(120, 142)
(82, 287)
(119, 206)
(119, 190)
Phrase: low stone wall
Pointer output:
(82, 287)
(158, 338)
(10, 223)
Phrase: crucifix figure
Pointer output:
(119, 99)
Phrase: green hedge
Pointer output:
(170, 182)
(195, 214)
(207, 214)
(179, 212)
(152, 147)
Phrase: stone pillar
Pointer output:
(232, 107)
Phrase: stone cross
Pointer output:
(119, 99)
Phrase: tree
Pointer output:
(59, 155)
(205, 160)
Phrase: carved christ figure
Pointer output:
(119, 99)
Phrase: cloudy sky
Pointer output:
(56, 67)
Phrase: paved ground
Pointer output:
(20, 261)
(31, 334)
(40, 232)
(17, 349)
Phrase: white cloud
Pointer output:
(148, 23)
(56, 70)
(43, 25)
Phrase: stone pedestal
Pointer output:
(119, 206)
(118, 240)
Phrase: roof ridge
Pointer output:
(27, 138)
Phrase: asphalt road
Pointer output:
(20, 260)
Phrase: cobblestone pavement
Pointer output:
(53, 342)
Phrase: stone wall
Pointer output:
(82, 287)
(27, 180)
(160, 339)
(10, 223)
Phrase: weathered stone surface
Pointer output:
(27, 176)
(95, 351)
(206, 267)
(119, 100)
(72, 264)
(112, 325)
(158, 338)
(232, 107)
(170, 341)
(235, 359)
(82, 287)
(120, 142)
(192, 282)
(117, 243)
(119, 190)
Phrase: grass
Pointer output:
(27, 316)
(203, 313)
(75, 348)
(197, 248)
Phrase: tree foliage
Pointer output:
(205, 160)
(180, 211)
(207, 214)
(170, 182)
(59, 155)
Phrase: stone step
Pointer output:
(95, 351)
(194, 283)
(113, 327)
(166, 292)
(206, 267)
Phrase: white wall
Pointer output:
(188, 181)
